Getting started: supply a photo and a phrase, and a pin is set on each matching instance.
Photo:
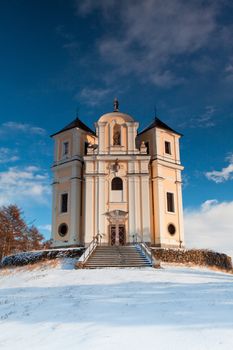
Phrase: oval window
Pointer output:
(62, 230)
(171, 229)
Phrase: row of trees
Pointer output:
(16, 235)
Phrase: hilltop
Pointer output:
(51, 306)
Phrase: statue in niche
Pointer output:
(117, 135)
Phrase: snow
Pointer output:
(24, 258)
(62, 308)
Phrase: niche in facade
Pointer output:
(117, 135)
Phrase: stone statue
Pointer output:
(116, 105)
(117, 138)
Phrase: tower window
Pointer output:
(170, 202)
(148, 147)
(168, 147)
(117, 184)
(117, 135)
(86, 144)
(65, 150)
(64, 203)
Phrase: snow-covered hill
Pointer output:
(61, 308)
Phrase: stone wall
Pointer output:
(33, 257)
(201, 257)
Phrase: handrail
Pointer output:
(89, 250)
(146, 250)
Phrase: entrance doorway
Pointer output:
(117, 227)
(117, 234)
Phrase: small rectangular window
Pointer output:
(167, 147)
(86, 144)
(65, 148)
(64, 203)
(148, 147)
(170, 202)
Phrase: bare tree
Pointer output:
(16, 235)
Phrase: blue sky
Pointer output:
(60, 56)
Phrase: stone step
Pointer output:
(116, 261)
(115, 265)
(116, 256)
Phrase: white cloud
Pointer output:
(207, 205)
(210, 226)
(222, 175)
(23, 185)
(93, 97)
(46, 227)
(7, 155)
(152, 34)
(21, 127)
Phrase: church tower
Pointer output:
(68, 187)
(117, 183)
(166, 210)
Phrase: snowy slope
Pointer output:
(60, 308)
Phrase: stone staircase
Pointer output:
(116, 256)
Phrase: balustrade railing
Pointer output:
(145, 250)
(89, 250)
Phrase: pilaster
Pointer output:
(159, 208)
(101, 205)
(145, 207)
(54, 209)
(131, 201)
(180, 212)
(101, 134)
(89, 209)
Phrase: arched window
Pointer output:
(117, 184)
(117, 135)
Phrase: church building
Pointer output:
(117, 183)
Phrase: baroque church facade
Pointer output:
(117, 183)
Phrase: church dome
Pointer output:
(116, 115)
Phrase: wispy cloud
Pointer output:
(206, 119)
(229, 71)
(16, 127)
(223, 175)
(7, 155)
(93, 97)
(70, 42)
(153, 34)
(23, 184)
(210, 226)
(84, 7)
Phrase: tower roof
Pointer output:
(157, 123)
(76, 123)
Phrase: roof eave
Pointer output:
(157, 127)
(61, 131)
